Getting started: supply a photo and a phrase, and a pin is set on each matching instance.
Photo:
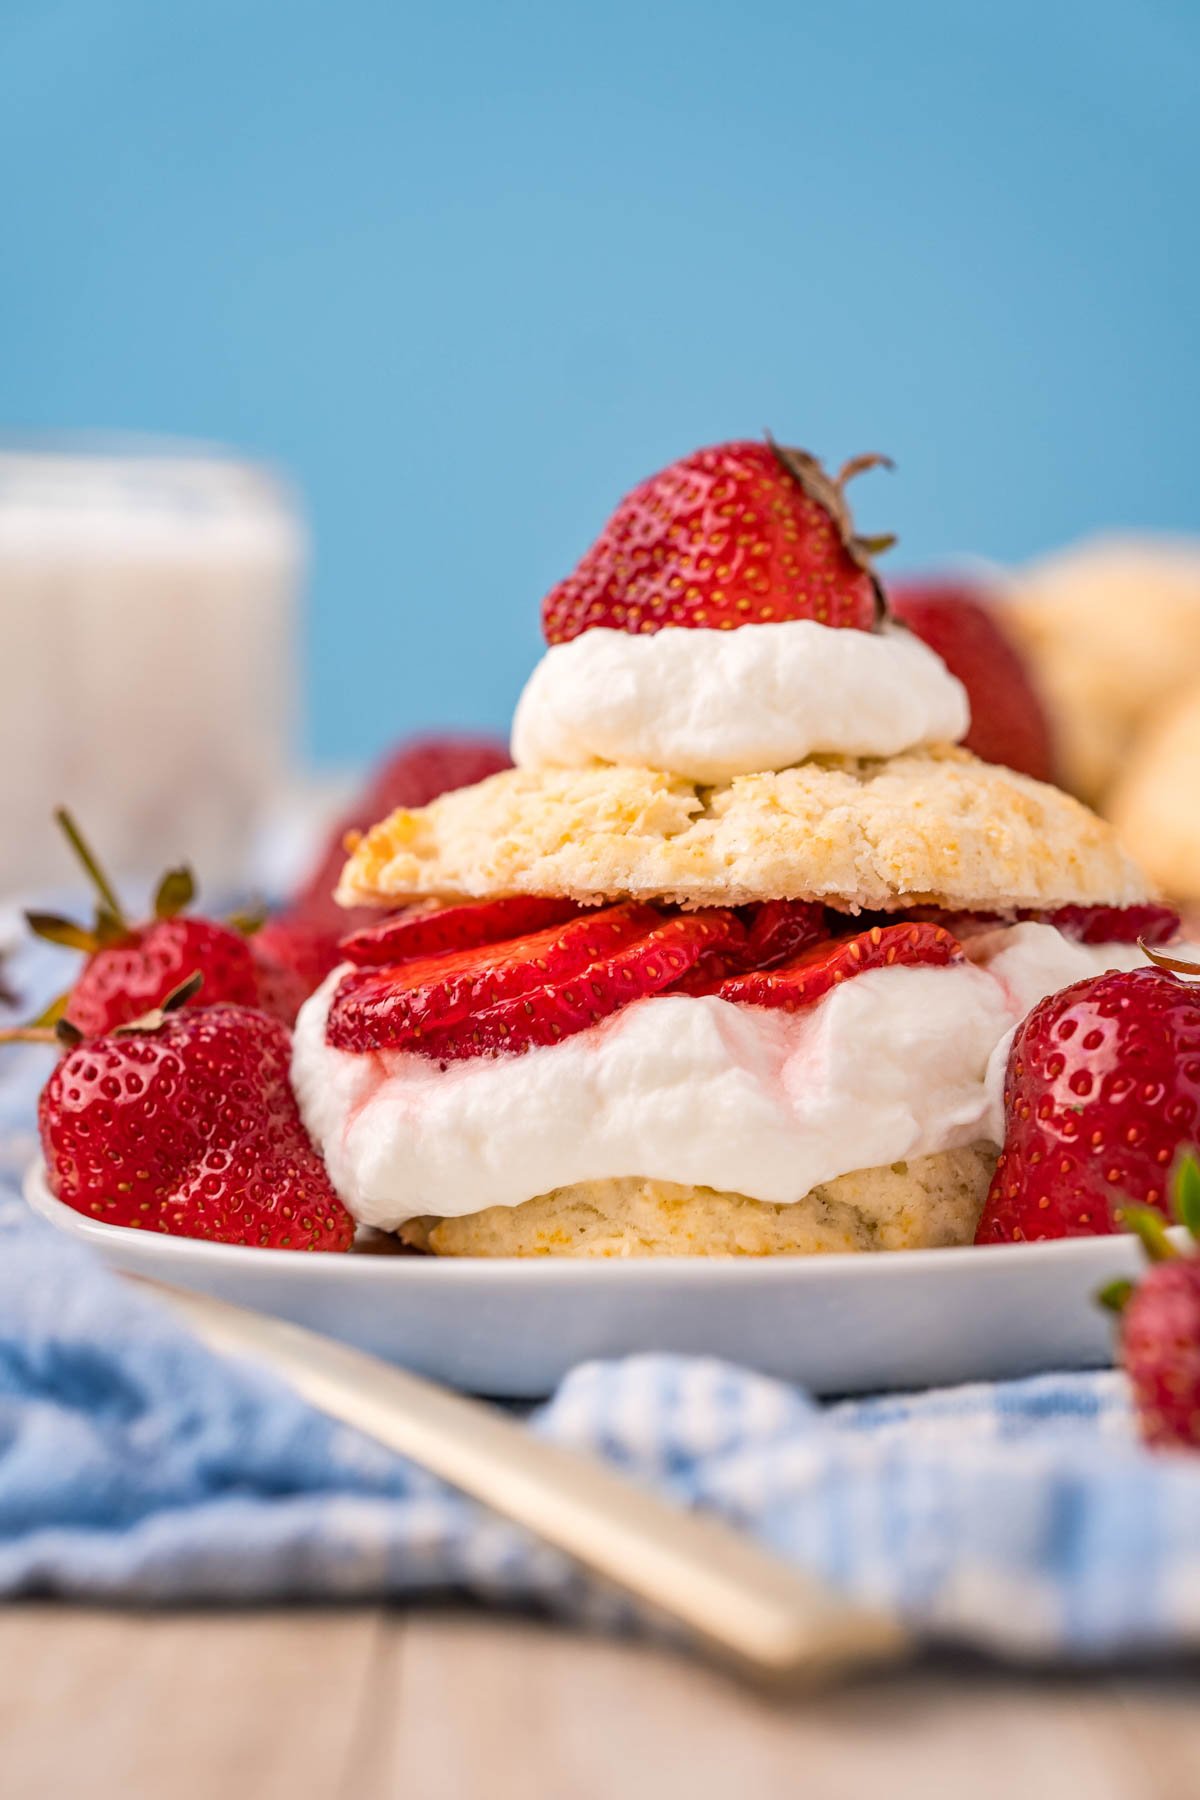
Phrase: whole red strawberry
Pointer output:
(1101, 1093)
(412, 774)
(1160, 1321)
(292, 956)
(132, 968)
(740, 534)
(122, 980)
(1009, 724)
(187, 1124)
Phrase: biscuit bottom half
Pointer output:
(926, 1203)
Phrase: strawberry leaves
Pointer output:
(828, 492)
(175, 893)
(53, 929)
(110, 926)
(133, 970)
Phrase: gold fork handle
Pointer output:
(752, 1609)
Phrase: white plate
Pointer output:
(835, 1324)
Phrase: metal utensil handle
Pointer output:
(751, 1608)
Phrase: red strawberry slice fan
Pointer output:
(504, 993)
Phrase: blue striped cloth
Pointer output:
(1021, 1517)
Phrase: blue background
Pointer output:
(470, 271)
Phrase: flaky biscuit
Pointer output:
(1155, 803)
(932, 827)
(1111, 628)
(926, 1203)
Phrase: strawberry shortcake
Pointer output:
(730, 961)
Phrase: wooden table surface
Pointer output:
(305, 1703)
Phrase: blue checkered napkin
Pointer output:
(133, 1464)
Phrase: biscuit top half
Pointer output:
(930, 827)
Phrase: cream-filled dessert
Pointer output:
(730, 961)
(899, 1064)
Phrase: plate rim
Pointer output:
(577, 1271)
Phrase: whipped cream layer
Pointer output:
(709, 705)
(897, 1063)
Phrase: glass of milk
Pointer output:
(148, 622)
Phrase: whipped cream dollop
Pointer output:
(709, 705)
(897, 1063)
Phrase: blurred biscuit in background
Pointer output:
(1111, 627)
(1155, 800)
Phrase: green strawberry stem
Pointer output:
(175, 892)
(1151, 1228)
(87, 858)
(43, 1029)
(829, 492)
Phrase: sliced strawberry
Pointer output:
(709, 971)
(775, 931)
(811, 975)
(779, 930)
(958, 923)
(1086, 924)
(549, 1013)
(1114, 924)
(531, 990)
(431, 930)
(394, 1005)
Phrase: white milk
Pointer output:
(147, 654)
